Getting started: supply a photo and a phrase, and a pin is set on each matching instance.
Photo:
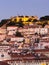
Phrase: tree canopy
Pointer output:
(3, 21)
(18, 34)
(44, 18)
(35, 20)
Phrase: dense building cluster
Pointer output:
(23, 39)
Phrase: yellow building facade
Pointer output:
(25, 19)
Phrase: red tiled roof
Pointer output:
(12, 26)
(28, 57)
(3, 63)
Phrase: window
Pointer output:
(2, 55)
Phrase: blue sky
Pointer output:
(10, 8)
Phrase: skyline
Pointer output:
(10, 8)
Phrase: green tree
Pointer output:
(18, 34)
(4, 21)
(44, 18)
